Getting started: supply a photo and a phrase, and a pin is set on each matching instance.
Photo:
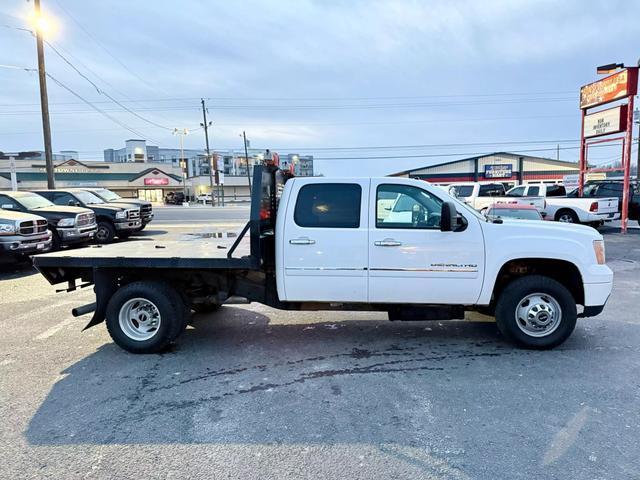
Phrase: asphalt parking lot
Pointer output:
(250, 392)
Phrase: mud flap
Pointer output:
(105, 286)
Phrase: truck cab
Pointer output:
(477, 195)
(113, 219)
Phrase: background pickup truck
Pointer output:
(333, 244)
(146, 209)
(568, 209)
(613, 188)
(69, 225)
(23, 234)
(481, 196)
(113, 220)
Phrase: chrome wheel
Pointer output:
(139, 319)
(566, 218)
(538, 315)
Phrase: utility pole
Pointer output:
(44, 101)
(558, 152)
(246, 156)
(213, 163)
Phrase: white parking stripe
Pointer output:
(55, 329)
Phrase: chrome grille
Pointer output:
(85, 219)
(33, 227)
(133, 214)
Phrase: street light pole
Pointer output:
(213, 163)
(44, 101)
(181, 132)
(246, 156)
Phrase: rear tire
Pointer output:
(144, 317)
(536, 312)
(105, 233)
(567, 216)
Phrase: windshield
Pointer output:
(32, 201)
(88, 198)
(522, 214)
(106, 194)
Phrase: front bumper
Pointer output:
(21, 245)
(147, 218)
(77, 234)
(127, 225)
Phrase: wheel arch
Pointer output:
(563, 271)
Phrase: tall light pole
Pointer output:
(44, 100)
(181, 132)
(213, 163)
(246, 156)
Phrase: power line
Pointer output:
(113, 119)
(102, 92)
(103, 47)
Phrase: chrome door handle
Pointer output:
(302, 241)
(387, 242)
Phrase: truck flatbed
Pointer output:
(151, 254)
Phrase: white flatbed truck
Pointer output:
(332, 244)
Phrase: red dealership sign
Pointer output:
(614, 87)
(156, 181)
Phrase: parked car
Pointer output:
(113, 220)
(511, 211)
(565, 209)
(69, 225)
(146, 209)
(23, 234)
(204, 198)
(483, 195)
(174, 198)
(613, 188)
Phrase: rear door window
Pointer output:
(492, 190)
(534, 191)
(516, 192)
(328, 205)
(556, 191)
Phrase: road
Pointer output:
(254, 393)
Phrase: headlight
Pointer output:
(66, 222)
(598, 248)
(121, 215)
(7, 228)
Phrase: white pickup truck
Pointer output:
(481, 196)
(387, 244)
(591, 211)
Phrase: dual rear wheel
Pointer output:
(144, 317)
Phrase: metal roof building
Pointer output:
(501, 167)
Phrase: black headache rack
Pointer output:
(85, 263)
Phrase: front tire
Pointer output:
(106, 232)
(144, 317)
(536, 312)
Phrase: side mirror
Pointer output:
(448, 217)
(71, 203)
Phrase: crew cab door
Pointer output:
(410, 259)
(324, 241)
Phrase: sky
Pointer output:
(368, 87)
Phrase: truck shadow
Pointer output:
(236, 378)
